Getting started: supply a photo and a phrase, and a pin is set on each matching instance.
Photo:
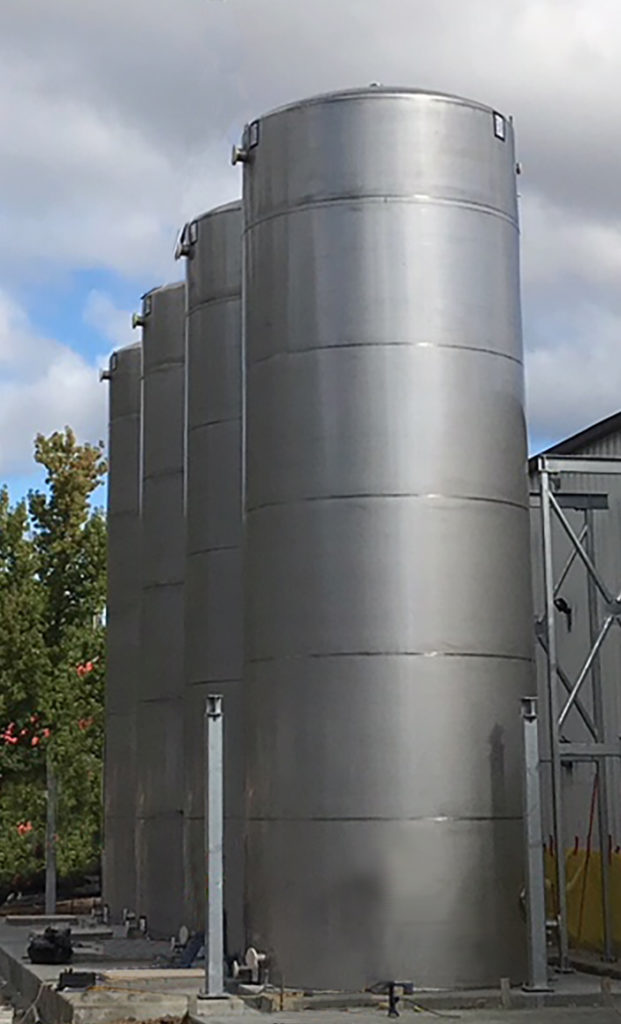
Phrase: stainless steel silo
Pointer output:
(160, 754)
(213, 631)
(389, 615)
(123, 629)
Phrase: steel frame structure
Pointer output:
(563, 692)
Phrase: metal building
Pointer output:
(213, 621)
(123, 629)
(159, 836)
(583, 527)
(387, 573)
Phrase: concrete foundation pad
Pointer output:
(591, 963)
(227, 1006)
(545, 1016)
(570, 991)
(32, 920)
(155, 980)
(154, 974)
(27, 990)
(131, 991)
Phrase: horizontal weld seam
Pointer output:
(207, 551)
(161, 700)
(159, 586)
(391, 654)
(123, 416)
(213, 679)
(163, 474)
(388, 495)
(155, 815)
(213, 423)
(375, 94)
(216, 300)
(419, 199)
(161, 367)
(381, 344)
(440, 819)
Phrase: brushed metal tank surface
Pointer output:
(160, 877)
(388, 636)
(213, 601)
(160, 748)
(123, 628)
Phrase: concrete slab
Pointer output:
(124, 991)
(102, 1006)
(566, 990)
(32, 920)
(162, 980)
(83, 934)
(545, 1016)
(592, 963)
(129, 989)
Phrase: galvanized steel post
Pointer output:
(554, 710)
(600, 725)
(214, 827)
(533, 837)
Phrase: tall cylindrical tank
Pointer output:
(122, 629)
(387, 541)
(213, 631)
(159, 836)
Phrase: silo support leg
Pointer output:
(214, 828)
(533, 838)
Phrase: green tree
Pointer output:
(52, 599)
(23, 670)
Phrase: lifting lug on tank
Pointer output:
(107, 374)
(250, 140)
(239, 155)
(187, 240)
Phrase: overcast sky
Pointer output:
(117, 121)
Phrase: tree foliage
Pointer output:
(52, 599)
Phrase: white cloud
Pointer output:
(101, 312)
(43, 387)
(81, 186)
(561, 243)
(575, 379)
(118, 118)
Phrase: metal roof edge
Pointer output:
(574, 443)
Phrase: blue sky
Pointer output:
(58, 309)
(118, 120)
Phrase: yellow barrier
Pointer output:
(584, 897)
